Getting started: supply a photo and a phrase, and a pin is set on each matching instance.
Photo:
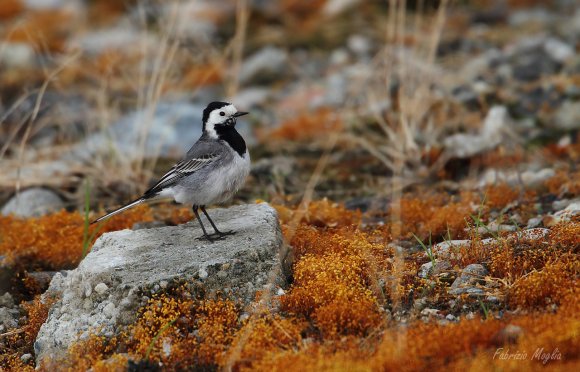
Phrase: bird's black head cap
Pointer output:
(212, 106)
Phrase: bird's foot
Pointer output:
(223, 234)
(216, 236)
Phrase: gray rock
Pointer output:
(8, 318)
(463, 145)
(509, 334)
(41, 278)
(33, 202)
(6, 300)
(16, 55)
(25, 358)
(470, 276)
(534, 222)
(336, 7)
(50, 4)
(359, 45)
(472, 291)
(251, 97)
(264, 65)
(428, 269)
(530, 178)
(535, 56)
(533, 234)
(121, 39)
(565, 215)
(131, 263)
(558, 50)
(568, 116)
(276, 167)
(450, 248)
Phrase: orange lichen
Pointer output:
(37, 311)
(10, 8)
(55, 241)
(547, 286)
(564, 183)
(216, 322)
(431, 215)
(46, 29)
(20, 341)
(163, 332)
(566, 236)
(263, 336)
(499, 196)
(321, 213)
(201, 75)
(332, 284)
(307, 126)
(87, 354)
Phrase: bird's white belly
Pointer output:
(219, 185)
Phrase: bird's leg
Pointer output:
(217, 232)
(205, 234)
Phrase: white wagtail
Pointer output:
(212, 171)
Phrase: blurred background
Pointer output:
(396, 93)
(453, 126)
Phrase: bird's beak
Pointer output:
(240, 113)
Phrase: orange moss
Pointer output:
(500, 157)
(322, 213)
(87, 355)
(332, 283)
(157, 327)
(55, 241)
(564, 183)
(21, 341)
(307, 126)
(47, 29)
(164, 331)
(37, 313)
(263, 336)
(548, 286)
(201, 75)
(344, 356)
(499, 196)
(10, 8)
(566, 236)
(216, 322)
(432, 215)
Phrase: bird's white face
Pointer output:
(221, 116)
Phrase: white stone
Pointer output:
(463, 145)
(101, 288)
(130, 263)
(16, 55)
(33, 202)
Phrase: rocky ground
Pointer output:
(422, 160)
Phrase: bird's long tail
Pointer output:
(121, 209)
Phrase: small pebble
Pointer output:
(101, 288)
(202, 273)
(222, 274)
(25, 358)
(109, 310)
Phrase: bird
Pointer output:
(211, 172)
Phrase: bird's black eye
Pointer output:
(222, 113)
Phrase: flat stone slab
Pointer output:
(124, 267)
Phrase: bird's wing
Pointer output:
(182, 169)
